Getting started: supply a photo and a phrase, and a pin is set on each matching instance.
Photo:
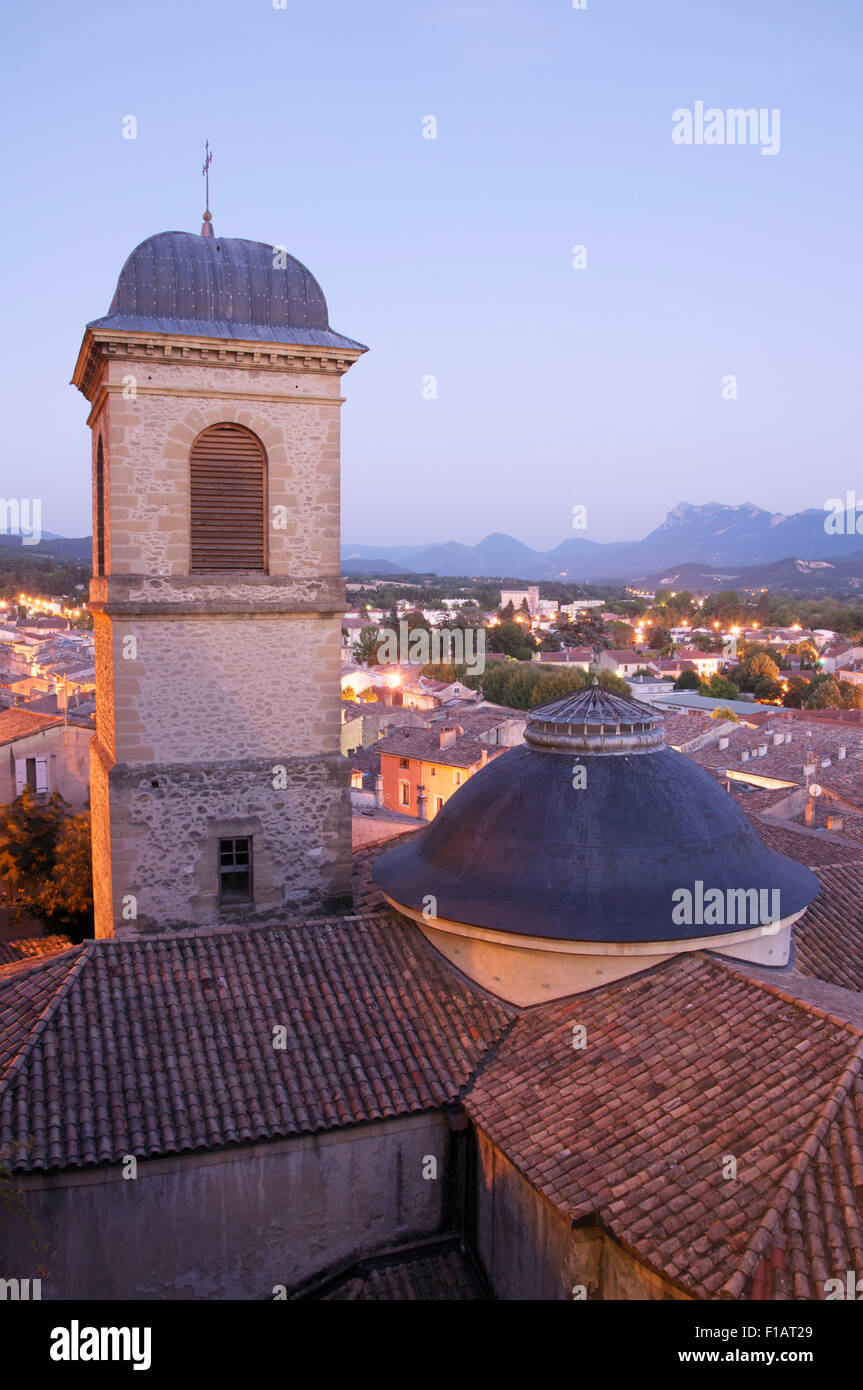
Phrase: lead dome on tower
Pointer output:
(539, 879)
(220, 287)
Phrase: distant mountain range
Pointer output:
(740, 537)
(707, 547)
(76, 550)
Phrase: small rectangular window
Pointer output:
(235, 870)
(438, 804)
(403, 762)
(404, 794)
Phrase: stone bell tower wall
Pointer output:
(218, 708)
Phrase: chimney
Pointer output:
(762, 750)
(448, 735)
(778, 738)
(835, 822)
(723, 742)
(842, 751)
(809, 813)
(379, 790)
(744, 756)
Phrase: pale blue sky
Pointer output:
(453, 257)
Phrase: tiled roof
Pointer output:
(684, 725)
(18, 723)
(443, 1276)
(25, 948)
(26, 997)
(817, 849)
(424, 744)
(828, 939)
(167, 1046)
(809, 744)
(367, 896)
(682, 1068)
(820, 1234)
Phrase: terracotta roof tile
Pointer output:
(640, 1149)
(166, 1046)
(19, 723)
(445, 1276)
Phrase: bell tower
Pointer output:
(219, 795)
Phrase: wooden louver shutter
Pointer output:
(227, 467)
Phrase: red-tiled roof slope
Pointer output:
(26, 997)
(820, 1236)
(445, 1276)
(682, 1068)
(367, 896)
(828, 939)
(817, 849)
(166, 1046)
(32, 948)
(20, 723)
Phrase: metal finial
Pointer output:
(207, 228)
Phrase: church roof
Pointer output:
(682, 1068)
(220, 287)
(166, 1046)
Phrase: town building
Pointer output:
(46, 754)
(517, 597)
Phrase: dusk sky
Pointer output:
(453, 257)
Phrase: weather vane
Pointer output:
(207, 229)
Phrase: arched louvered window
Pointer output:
(228, 500)
(99, 529)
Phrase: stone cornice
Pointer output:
(174, 348)
(253, 595)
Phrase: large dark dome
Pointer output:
(219, 287)
(519, 849)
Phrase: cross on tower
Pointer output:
(207, 229)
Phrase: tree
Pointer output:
(585, 630)
(45, 863)
(507, 614)
(28, 836)
(719, 688)
(687, 680)
(823, 693)
(416, 619)
(512, 640)
(65, 902)
(851, 695)
(796, 693)
(721, 712)
(365, 649)
(760, 664)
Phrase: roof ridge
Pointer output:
(207, 933)
(739, 969)
(797, 1170)
(38, 1028)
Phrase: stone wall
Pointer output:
(213, 687)
(529, 1251)
(236, 1223)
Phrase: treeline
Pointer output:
(21, 572)
(524, 684)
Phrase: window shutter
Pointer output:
(41, 774)
(20, 775)
(227, 486)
